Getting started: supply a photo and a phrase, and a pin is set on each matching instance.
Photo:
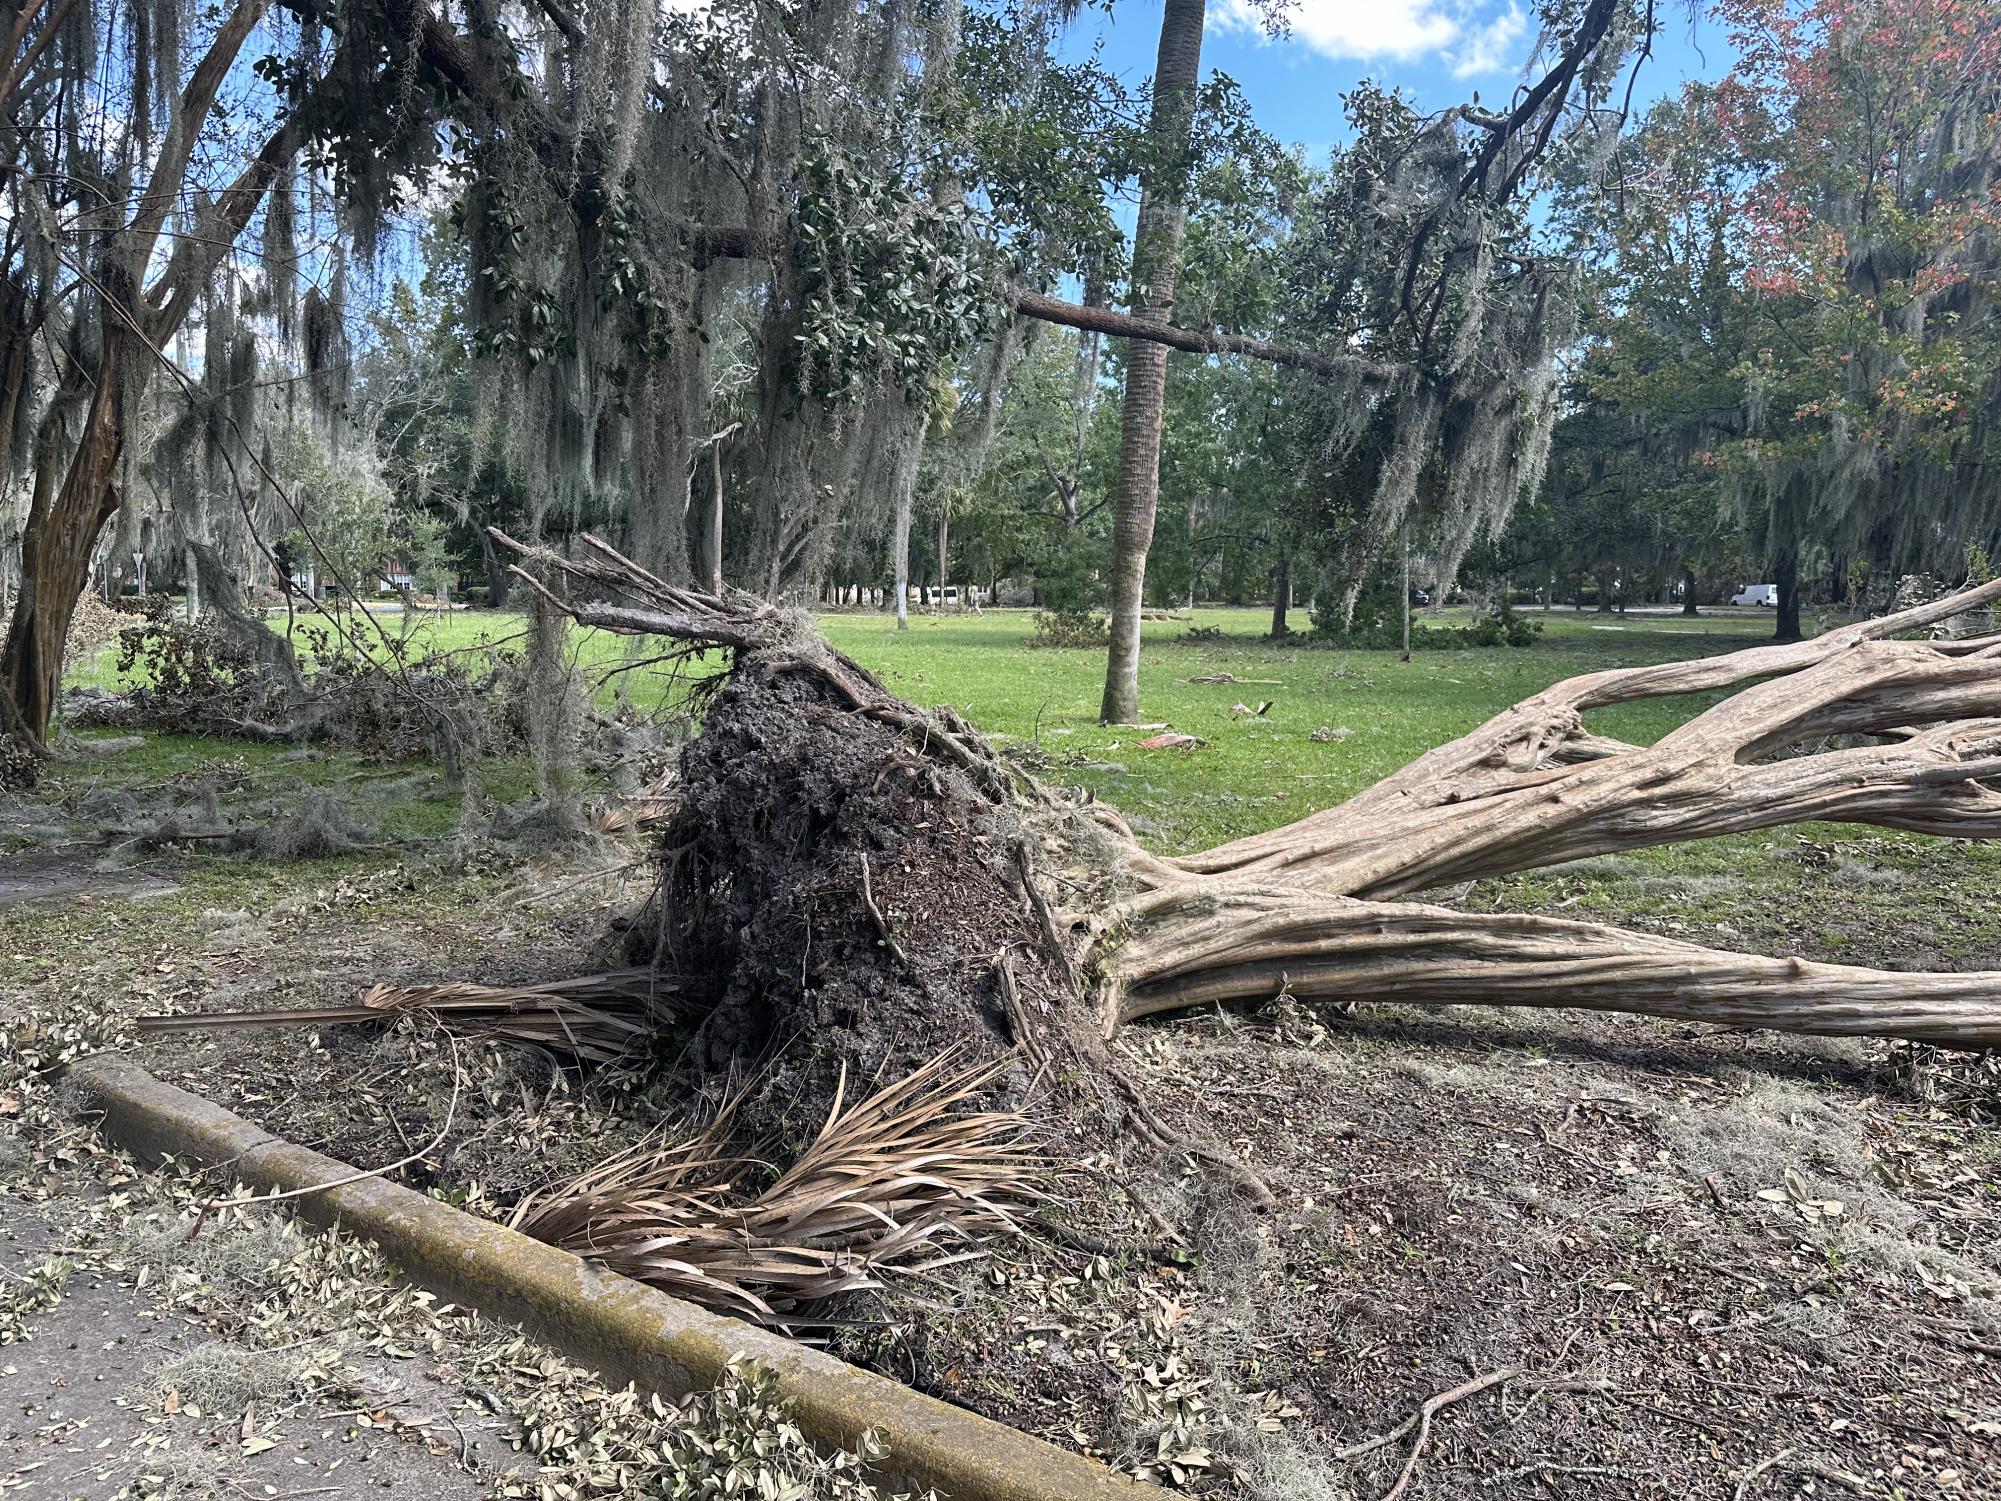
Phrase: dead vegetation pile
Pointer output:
(905, 1178)
(206, 677)
(593, 1019)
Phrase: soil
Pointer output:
(52, 875)
(834, 901)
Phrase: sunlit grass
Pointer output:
(1255, 772)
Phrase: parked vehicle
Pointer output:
(1757, 594)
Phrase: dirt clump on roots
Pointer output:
(836, 900)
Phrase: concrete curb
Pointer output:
(626, 1330)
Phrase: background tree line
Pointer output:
(820, 301)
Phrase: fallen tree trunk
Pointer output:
(850, 881)
(1257, 946)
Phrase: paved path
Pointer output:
(84, 1399)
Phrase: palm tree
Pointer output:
(1156, 264)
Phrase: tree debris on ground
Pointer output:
(596, 1019)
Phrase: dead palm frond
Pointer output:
(644, 810)
(886, 1181)
(593, 1018)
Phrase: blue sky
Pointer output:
(1439, 51)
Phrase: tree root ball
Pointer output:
(837, 901)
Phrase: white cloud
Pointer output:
(1372, 29)
(1395, 30)
(1493, 47)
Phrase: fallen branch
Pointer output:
(881, 923)
(593, 1018)
(1750, 1476)
(1253, 945)
(1421, 1421)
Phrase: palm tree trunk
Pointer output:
(944, 538)
(900, 546)
(1156, 263)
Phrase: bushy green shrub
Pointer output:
(1505, 627)
(1068, 628)
(1373, 630)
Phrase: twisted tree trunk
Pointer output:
(850, 869)
(56, 546)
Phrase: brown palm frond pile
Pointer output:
(644, 810)
(593, 1018)
(887, 1182)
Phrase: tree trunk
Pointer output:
(57, 543)
(944, 534)
(1403, 605)
(1194, 564)
(497, 577)
(20, 330)
(1156, 265)
(715, 557)
(899, 546)
(1688, 605)
(1281, 594)
(1786, 575)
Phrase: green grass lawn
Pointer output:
(1253, 773)
(1836, 891)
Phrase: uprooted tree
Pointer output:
(850, 881)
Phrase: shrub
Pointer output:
(1504, 627)
(1069, 628)
(1371, 631)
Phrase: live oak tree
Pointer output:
(850, 200)
(117, 223)
(1805, 289)
(814, 207)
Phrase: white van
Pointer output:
(1757, 594)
